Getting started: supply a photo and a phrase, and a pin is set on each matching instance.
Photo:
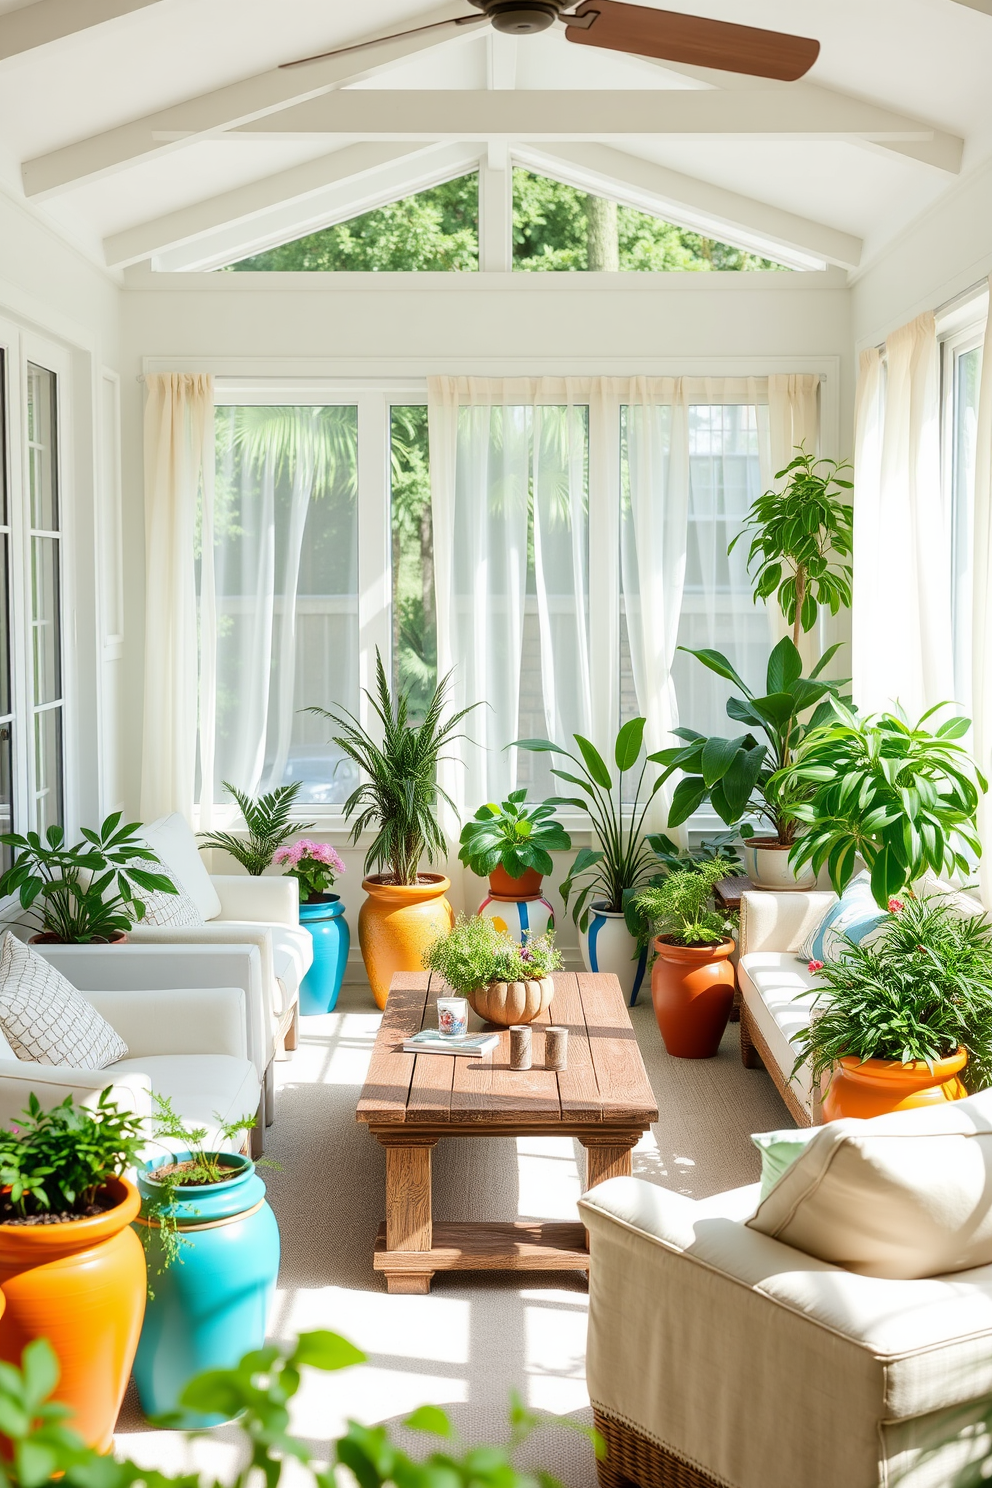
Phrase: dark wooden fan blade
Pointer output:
(683, 38)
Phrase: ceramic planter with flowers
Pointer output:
(505, 982)
(692, 979)
(315, 865)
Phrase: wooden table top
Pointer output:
(605, 1081)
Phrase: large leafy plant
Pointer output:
(803, 538)
(920, 990)
(91, 891)
(513, 836)
(611, 873)
(269, 820)
(681, 905)
(741, 776)
(57, 1161)
(902, 798)
(398, 798)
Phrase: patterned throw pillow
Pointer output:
(45, 1019)
(855, 917)
(172, 911)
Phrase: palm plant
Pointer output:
(399, 796)
(269, 822)
(284, 439)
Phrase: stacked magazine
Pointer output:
(429, 1041)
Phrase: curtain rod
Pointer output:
(962, 295)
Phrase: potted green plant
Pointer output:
(71, 1268)
(90, 892)
(906, 1018)
(505, 982)
(405, 909)
(605, 879)
(902, 798)
(511, 844)
(692, 980)
(743, 776)
(269, 823)
(315, 866)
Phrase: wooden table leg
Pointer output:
(608, 1155)
(408, 1206)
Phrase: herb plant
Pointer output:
(56, 1162)
(902, 797)
(269, 822)
(88, 892)
(399, 796)
(920, 990)
(681, 907)
(513, 836)
(314, 865)
(474, 953)
(803, 540)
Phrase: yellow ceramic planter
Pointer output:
(397, 923)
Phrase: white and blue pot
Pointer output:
(519, 918)
(607, 945)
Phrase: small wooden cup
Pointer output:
(520, 1046)
(555, 1048)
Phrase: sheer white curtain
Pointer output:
(902, 611)
(179, 434)
(981, 639)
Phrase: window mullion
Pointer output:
(604, 569)
(374, 542)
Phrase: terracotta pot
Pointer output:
(397, 923)
(881, 1085)
(507, 1003)
(502, 886)
(47, 938)
(766, 862)
(82, 1286)
(692, 988)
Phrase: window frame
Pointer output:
(966, 333)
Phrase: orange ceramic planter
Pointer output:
(397, 923)
(882, 1085)
(527, 886)
(81, 1286)
(692, 989)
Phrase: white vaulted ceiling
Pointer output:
(149, 128)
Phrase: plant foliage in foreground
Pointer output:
(269, 822)
(257, 1391)
(57, 1161)
(917, 993)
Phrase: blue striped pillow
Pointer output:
(855, 917)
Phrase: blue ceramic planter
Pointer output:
(211, 1305)
(331, 939)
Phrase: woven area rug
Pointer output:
(475, 1337)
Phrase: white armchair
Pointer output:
(718, 1355)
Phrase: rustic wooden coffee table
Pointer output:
(411, 1101)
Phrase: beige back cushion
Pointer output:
(171, 839)
(45, 1020)
(905, 1195)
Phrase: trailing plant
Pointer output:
(255, 1396)
(399, 796)
(474, 953)
(314, 865)
(803, 540)
(268, 819)
(743, 776)
(681, 907)
(917, 992)
(611, 873)
(513, 836)
(91, 891)
(902, 797)
(57, 1162)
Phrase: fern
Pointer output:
(269, 822)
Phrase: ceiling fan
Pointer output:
(620, 27)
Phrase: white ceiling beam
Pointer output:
(697, 205)
(238, 103)
(287, 205)
(46, 21)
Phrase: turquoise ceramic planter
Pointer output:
(331, 940)
(212, 1308)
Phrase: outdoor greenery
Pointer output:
(474, 953)
(269, 820)
(57, 1161)
(803, 541)
(744, 775)
(398, 798)
(900, 796)
(412, 530)
(88, 892)
(514, 836)
(681, 906)
(916, 993)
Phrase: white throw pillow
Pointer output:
(45, 1020)
(904, 1195)
(171, 840)
(169, 911)
(855, 917)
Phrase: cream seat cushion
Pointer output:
(205, 1089)
(779, 992)
(292, 956)
(905, 1195)
(171, 839)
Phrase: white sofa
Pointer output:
(185, 1043)
(718, 1355)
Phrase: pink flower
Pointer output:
(895, 905)
(816, 965)
(316, 852)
